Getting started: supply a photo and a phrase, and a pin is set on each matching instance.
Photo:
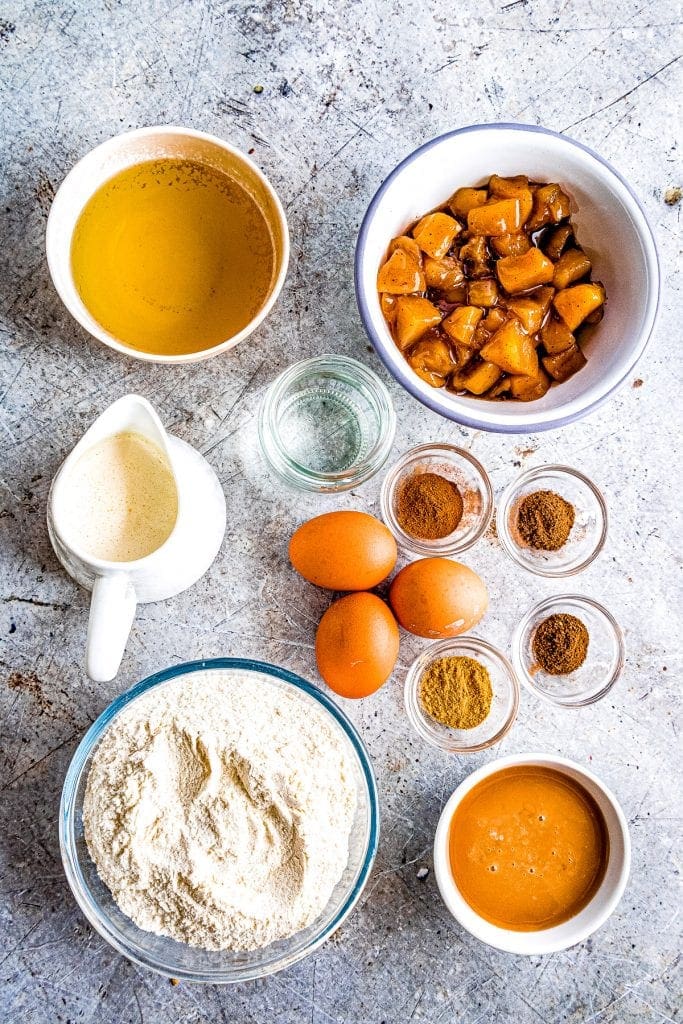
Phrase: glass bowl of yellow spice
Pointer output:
(568, 650)
(461, 695)
(552, 520)
(437, 500)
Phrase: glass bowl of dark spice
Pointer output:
(461, 695)
(552, 520)
(437, 500)
(568, 650)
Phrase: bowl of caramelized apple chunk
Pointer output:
(507, 277)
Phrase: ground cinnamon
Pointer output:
(428, 506)
(457, 692)
(545, 520)
(560, 644)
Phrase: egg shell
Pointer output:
(343, 551)
(356, 645)
(438, 598)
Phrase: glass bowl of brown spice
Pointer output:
(552, 520)
(568, 650)
(461, 695)
(437, 500)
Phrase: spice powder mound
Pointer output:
(457, 692)
(560, 644)
(429, 506)
(545, 520)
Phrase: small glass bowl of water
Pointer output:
(326, 424)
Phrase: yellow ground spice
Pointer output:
(457, 692)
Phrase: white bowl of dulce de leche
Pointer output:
(504, 877)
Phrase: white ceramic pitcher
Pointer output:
(117, 587)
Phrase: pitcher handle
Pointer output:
(112, 609)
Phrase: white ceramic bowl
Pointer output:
(611, 227)
(126, 150)
(577, 928)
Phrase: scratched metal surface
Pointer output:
(348, 89)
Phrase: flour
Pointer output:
(218, 810)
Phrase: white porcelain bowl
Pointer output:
(127, 150)
(611, 227)
(577, 928)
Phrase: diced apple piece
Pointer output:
(528, 389)
(595, 317)
(529, 312)
(465, 199)
(513, 188)
(575, 304)
(461, 324)
(415, 315)
(435, 233)
(389, 308)
(461, 355)
(556, 337)
(483, 292)
(475, 256)
(511, 245)
(431, 360)
(571, 266)
(408, 245)
(444, 273)
(501, 388)
(497, 217)
(519, 273)
(551, 205)
(557, 241)
(495, 318)
(457, 295)
(543, 296)
(565, 364)
(401, 275)
(477, 380)
(512, 349)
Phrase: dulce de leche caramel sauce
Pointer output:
(528, 848)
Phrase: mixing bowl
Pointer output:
(611, 227)
(175, 959)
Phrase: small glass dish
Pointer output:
(326, 424)
(176, 959)
(604, 661)
(504, 707)
(588, 534)
(471, 479)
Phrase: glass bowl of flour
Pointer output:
(219, 821)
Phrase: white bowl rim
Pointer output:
(79, 311)
(405, 377)
(547, 940)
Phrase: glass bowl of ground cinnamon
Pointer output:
(568, 650)
(437, 500)
(461, 695)
(552, 520)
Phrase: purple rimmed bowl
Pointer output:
(611, 227)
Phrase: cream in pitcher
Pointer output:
(120, 502)
(135, 515)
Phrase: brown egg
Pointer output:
(343, 551)
(356, 645)
(438, 598)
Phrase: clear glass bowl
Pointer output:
(588, 533)
(175, 959)
(472, 481)
(604, 660)
(503, 708)
(326, 424)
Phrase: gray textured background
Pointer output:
(348, 89)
